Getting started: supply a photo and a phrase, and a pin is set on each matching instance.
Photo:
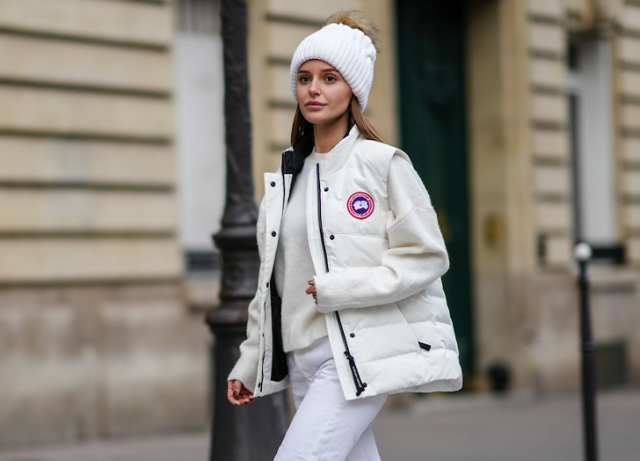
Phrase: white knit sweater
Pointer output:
(302, 323)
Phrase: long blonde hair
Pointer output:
(355, 20)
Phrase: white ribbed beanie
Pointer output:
(349, 50)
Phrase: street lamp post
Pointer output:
(582, 253)
(252, 432)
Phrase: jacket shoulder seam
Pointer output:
(407, 214)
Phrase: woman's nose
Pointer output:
(313, 88)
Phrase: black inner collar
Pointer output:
(294, 159)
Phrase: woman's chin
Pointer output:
(319, 120)
(313, 117)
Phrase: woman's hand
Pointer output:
(238, 394)
(312, 290)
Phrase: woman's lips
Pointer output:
(315, 104)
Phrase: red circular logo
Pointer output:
(360, 205)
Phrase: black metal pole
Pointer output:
(583, 254)
(252, 432)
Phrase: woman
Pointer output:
(349, 306)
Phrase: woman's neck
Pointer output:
(328, 136)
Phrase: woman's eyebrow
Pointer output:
(328, 69)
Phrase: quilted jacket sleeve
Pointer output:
(246, 368)
(416, 257)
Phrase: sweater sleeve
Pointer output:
(416, 257)
(246, 368)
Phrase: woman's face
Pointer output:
(323, 95)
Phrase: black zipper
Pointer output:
(324, 248)
(264, 349)
(284, 186)
(360, 386)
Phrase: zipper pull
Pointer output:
(360, 386)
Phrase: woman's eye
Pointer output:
(330, 78)
(304, 79)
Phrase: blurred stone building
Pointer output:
(96, 339)
(522, 117)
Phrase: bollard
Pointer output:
(499, 374)
(582, 253)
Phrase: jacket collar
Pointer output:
(294, 157)
(334, 160)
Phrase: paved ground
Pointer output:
(515, 429)
(459, 427)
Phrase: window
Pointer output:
(200, 129)
(592, 159)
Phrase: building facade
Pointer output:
(522, 119)
(95, 336)
(521, 116)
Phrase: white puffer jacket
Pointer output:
(389, 329)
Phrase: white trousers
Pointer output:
(326, 427)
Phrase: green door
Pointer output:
(432, 120)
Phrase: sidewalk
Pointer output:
(519, 428)
(452, 428)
